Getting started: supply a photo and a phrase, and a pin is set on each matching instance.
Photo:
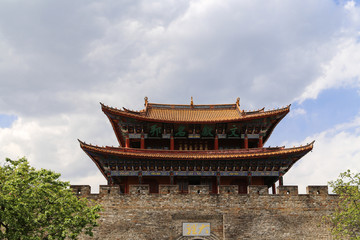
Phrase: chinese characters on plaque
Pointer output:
(196, 229)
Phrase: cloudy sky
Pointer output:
(59, 59)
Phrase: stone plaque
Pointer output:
(196, 229)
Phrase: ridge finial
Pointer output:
(146, 101)
(238, 101)
(192, 101)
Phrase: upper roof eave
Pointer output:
(244, 116)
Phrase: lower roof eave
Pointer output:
(261, 153)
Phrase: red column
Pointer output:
(216, 142)
(281, 180)
(273, 189)
(246, 141)
(171, 142)
(260, 145)
(127, 142)
(126, 190)
(142, 142)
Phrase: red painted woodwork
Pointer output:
(127, 142)
(281, 182)
(142, 142)
(172, 142)
(246, 142)
(153, 185)
(260, 145)
(216, 142)
(242, 185)
(273, 189)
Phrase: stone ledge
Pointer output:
(168, 189)
(139, 189)
(85, 190)
(228, 189)
(198, 189)
(317, 190)
(288, 190)
(258, 190)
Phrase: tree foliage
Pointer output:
(35, 204)
(346, 218)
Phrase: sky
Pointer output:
(59, 59)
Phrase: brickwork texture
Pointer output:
(256, 215)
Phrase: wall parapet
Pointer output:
(257, 190)
(317, 190)
(287, 190)
(143, 189)
(255, 215)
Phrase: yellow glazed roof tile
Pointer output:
(187, 115)
(194, 113)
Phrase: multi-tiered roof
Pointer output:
(194, 140)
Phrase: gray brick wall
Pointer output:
(257, 215)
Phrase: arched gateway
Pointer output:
(211, 237)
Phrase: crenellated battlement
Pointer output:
(255, 215)
(85, 190)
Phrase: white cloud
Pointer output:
(59, 60)
(10, 60)
(51, 143)
(238, 47)
(343, 68)
(296, 112)
(342, 71)
(335, 151)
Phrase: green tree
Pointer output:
(35, 204)
(346, 218)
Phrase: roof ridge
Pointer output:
(189, 105)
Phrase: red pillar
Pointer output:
(127, 142)
(281, 180)
(273, 189)
(216, 142)
(171, 142)
(126, 190)
(246, 141)
(260, 145)
(142, 142)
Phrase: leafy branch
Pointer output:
(35, 204)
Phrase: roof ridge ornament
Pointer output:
(146, 101)
(238, 105)
(192, 102)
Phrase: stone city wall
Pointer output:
(256, 215)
